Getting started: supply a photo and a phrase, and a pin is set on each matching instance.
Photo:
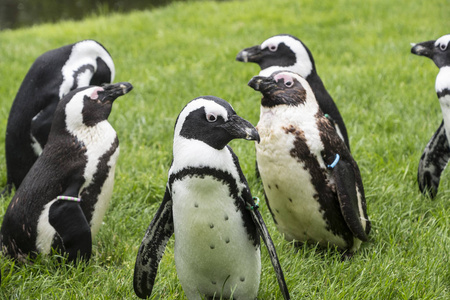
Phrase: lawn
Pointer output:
(179, 52)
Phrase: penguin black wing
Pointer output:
(152, 248)
(264, 233)
(432, 162)
(346, 187)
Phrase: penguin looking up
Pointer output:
(286, 52)
(312, 184)
(51, 76)
(209, 207)
(437, 152)
(62, 200)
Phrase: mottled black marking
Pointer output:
(347, 177)
(433, 161)
(279, 95)
(329, 206)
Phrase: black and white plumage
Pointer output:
(286, 52)
(217, 238)
(437, 152)
(77, 162)
(51, 76)
(313, 195)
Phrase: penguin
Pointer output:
(52, 75)
(286, 52)
(312, 184)
(63, 198)
(209, 207)
(437, 152)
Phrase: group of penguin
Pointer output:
(61, 154)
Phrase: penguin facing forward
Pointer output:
(209, 207)
(286, 52)
(51, 76)
(312, 184)
(62, 200)
(437, 152)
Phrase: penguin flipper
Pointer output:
(264, 233)
(66, 216)
(72, 228)
(152, 248)
(346, 188)
(432, 162)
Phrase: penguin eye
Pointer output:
(443, 47)
(289, 83)
(273, 48)
(211, 117)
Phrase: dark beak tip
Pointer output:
(239, 57)
(254, 83)
(126, 87)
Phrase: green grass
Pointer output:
(176, 53)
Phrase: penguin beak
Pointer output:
(252, 54)
(423, 49)
(240, 128)
(262, 84)
(112, 91)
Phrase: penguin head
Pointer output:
(89, 106)
(438, 50)
(280, 52)
(213, 121)
(283, 88)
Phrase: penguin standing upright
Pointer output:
(62, 200)
(437, 152)
(286, 52)
(312, 184)
(209, 207)
(51, 76)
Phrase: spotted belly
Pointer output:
(212, 250)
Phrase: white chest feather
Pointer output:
(287, 181)
(212, 247)
(445, 107)
(442, 83)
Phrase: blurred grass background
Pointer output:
(184, 50)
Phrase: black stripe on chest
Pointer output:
(443, 93)
(227, 179)
(90, 194)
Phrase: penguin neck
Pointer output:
(443, 82)
(194, 153)
(309, 108)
